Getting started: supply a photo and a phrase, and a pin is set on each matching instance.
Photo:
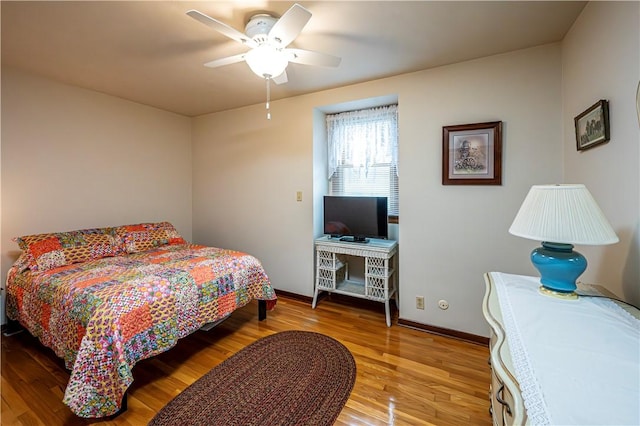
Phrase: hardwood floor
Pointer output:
(404, 376)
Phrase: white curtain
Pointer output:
(363, 138)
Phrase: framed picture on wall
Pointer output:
(472, 154)
(592, 126)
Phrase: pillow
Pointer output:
(145, 236)
(48, 251)
(22, 263)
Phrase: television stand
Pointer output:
(380, 276)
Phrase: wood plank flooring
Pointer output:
(404, 376)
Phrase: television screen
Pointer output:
(355, 218)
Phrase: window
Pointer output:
(363, 154)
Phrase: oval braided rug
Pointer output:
(288, 378)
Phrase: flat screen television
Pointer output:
(355, 218)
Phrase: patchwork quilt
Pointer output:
(103, 315)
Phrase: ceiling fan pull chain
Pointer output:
(268, 97)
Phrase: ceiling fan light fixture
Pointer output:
(266, 61)
(268, 38)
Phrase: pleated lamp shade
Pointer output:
(562, 214)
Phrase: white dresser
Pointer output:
(557, 361)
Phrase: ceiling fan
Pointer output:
(268, 38)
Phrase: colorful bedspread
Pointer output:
(102, 316)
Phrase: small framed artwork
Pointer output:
(592, 126)
(472, 154)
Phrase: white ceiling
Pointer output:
(151, 52)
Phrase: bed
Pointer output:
(106, 298)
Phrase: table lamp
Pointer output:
(560, 216)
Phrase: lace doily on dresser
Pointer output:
(573, 360)
(537, 412)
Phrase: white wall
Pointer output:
(451, 235)
(247, 171)
(601, 60)
(74, 158)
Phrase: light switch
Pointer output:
(299, 196)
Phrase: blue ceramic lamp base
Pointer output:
(559, 268)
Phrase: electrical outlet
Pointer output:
(443, 304)
(419, 302)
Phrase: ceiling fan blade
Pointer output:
(225, 61)
(290, 25)
(308, 57)
(281, 79)
(222, 28)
